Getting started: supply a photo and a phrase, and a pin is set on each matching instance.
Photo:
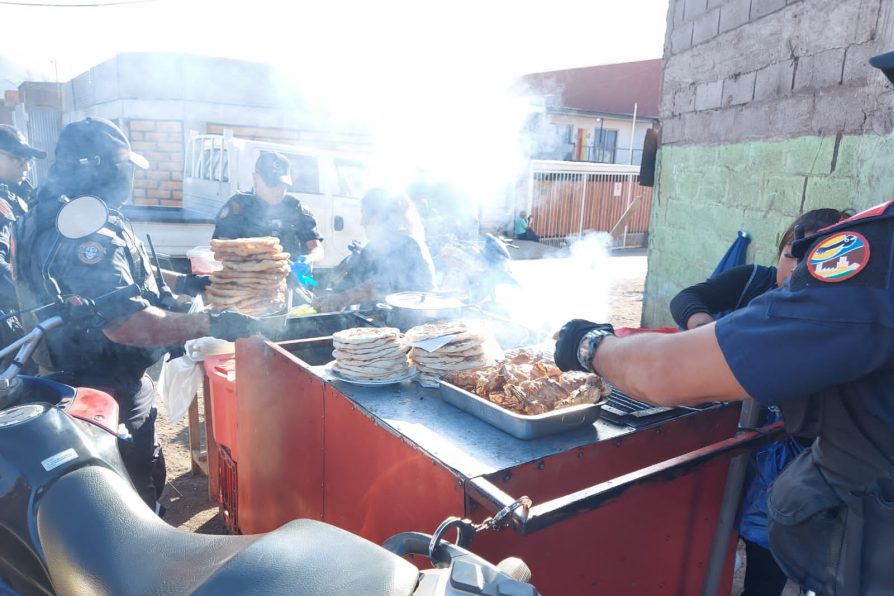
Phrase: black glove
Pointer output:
(568, 344)
(231, 325)
(191, 285)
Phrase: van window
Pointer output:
(350, 176)
(305, 172)
(208, 159)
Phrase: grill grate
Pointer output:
(624, 410)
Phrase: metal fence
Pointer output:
(569, 199)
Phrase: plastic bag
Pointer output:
(178, 384)
(180, 378)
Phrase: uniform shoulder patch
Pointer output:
(6, 211)
(91, 252)
(839, 257)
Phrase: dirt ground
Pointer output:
(186, 495)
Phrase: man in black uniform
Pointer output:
(270, 211)
(822, 348)
(16, 157)
(112, 353)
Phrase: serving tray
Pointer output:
(521, 426)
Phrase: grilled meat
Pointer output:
(530, 383)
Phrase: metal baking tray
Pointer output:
(521, 426)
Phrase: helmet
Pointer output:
(94, 156)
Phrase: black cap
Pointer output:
(273, 168)
(885, 63)
(86, 140)
(13, 141)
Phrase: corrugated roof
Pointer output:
(610, 88)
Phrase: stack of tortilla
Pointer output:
(446, 346)
(253, 278)
(370, 354)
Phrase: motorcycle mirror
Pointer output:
(81, 217)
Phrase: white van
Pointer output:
(329, 184)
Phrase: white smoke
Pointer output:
(574, 284)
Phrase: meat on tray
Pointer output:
(530, 383)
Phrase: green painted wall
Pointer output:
(706, 194)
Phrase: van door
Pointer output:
(348, 177)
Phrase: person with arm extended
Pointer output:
(394, 259)
(701, 304)
(822, 349)
(129, 333)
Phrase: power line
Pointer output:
(72, 4)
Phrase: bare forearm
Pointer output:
(153, 327)
(669, 369)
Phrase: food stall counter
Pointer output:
(378, 460)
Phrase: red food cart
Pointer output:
(628, 506)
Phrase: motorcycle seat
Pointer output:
(100, 538)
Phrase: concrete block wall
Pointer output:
(768, 109)
(160, 142)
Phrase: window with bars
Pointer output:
(605, 143)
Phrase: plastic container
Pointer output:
(201, 258)
(221, 373)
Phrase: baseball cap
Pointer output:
(273, 168)
(13, 141)
(90, 138)
(885, 63)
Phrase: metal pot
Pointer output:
(409, 309)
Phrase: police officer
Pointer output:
(16, 157)
(270, 211)
(112, 352)
(822, 348)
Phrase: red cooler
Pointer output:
(221, 373)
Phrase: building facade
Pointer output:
(768, 109)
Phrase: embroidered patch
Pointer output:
(839, 257)
(91, 253)
(6, 210)
(236, 208)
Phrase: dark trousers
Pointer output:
(142, 455)
(529, 235)
(763, 577)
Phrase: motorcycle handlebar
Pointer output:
(73, 308)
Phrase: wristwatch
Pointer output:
(588, 345)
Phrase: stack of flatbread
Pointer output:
(452, 346)
(370, 354)
(253, 278)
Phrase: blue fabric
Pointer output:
(735, 254)
(765, 464)
(789, 344)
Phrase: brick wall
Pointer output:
(161, 142)
(768, 109)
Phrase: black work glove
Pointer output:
(569, 340)
(231, 325)
(191, 285)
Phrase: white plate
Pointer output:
(410, 374)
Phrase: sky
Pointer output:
(500, 39)
(430, 80)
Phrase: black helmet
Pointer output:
(94, 156)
